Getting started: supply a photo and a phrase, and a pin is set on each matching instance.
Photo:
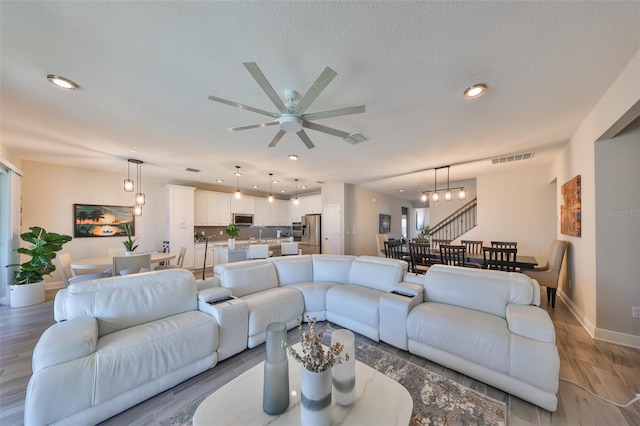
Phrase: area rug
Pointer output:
(437, 400)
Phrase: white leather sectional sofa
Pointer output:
(128, 338)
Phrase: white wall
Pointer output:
(517, 204)
(618, 231)
(49, 193)
(578, 158)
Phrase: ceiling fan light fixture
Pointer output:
(290, 123)
(475, 91)
(61, 82)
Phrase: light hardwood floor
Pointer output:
(609, 370)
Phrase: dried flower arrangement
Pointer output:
(314, 357)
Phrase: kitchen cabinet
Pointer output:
(296, 211)
(181, 221)
(244, 204)
(212, 208)
(280, 213)
(311, 204)
(199, 255)
(275, 213)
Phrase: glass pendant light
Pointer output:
(295, 200)
(435, 197)
(238, 193)
(128, 183)
(137, 210)
(270, 191)
(447, 195)
(140, 199)
(462, 194)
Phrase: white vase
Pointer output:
(27, 294)
(128, 253)
(231, 243)
(344, 374)
(315, 398)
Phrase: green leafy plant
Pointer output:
(129, 243)
(426, 230)
(42, 252)
(232, 230)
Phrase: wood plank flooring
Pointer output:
(610, 370)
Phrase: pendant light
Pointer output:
(140, 198)
(270, 191)
(128, 183)
(435, 197)
(462, 194)
(447, 194)
(137, 210)
(295, 200)
(238, 174)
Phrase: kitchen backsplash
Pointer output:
(246, 232)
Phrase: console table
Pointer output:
(379, 400)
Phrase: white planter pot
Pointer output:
(231, 243)
(128, 253)
(315, 398)
(27, 294)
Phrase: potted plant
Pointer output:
(232, 231)
(27, 286)
(129, 244)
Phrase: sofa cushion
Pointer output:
(377, 272)
(333, 268)
(314, 295)
(293, 269)
(248, 278)
(480, 289)
(355, 302)
(281, 304)
(130, 358)
(476, 336)
(121, 302)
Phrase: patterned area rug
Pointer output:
(437, 400)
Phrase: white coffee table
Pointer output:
(379, 400)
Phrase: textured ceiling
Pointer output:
(145, 70)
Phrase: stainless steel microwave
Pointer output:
(242, 219)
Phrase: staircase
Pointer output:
(457, 223)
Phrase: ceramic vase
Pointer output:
(344, 374)
(315, 398)
(27, 294)
(231, 243)
(275, 393)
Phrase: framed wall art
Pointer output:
(384, 226)
(97, 220)
(570, 210)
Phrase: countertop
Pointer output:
(246, 243)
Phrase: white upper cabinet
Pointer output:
(181, 204)
(311, 204)
(296, 211)
(244, 204)
(212, 208)
(275, 213)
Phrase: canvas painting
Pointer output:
(570, 210)
(385, 224)
(95, 220)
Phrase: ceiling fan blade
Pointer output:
(325, 129)
(305, 139)
(241, 106)
(318, 86)
(253, 126)
(265, 85)
(333, 113)
(277, 138)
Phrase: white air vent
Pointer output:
(510, 158)
(355, 138)
(189, 169)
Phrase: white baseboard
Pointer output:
(598, 333)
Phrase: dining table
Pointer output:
(102, 262)
(523, 261)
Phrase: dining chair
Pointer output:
(472, 246)
(421, 257)
(124, 265)
(259, 251)
(179, 262)
(548, 275)
(63, 263)
(394, 249)
(289, 249)
(453, 255)
(437, 242)
(501, 259)
(380, 239)
(504, 244)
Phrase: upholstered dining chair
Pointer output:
(547, 275)
(500, 258)
(380, 239)
(63, 263)
(179, 261)
(124, 265)
(289, 249)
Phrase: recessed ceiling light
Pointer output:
(293, 157)
(275, 181)
(255, 186)
(475, 91)
(400, 190)
(283, 190)
(304, 187)
(219, 180)
(61, 82)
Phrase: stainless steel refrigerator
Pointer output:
(311, 242)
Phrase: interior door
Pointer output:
(331, 228)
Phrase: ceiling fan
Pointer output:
(291, 117)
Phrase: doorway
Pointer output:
(331, 235)
(405, 222)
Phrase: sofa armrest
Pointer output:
(65, 341)
(530, 322)
(409, 289)
(59, 311)
(209, 282)
(232, 317)
(413, 278)
(213, 294)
